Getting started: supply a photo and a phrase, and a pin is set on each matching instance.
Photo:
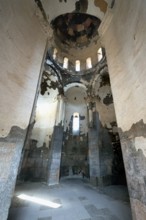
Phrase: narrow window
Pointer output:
(65, 63)
(54, 53)
(99, 54)
(88, 63)
(76, 124)
(77, 66)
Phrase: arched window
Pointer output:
(65, 63)
(55, 53)
(77, 65)
(88, 63)
(75, 124)
(99, 54)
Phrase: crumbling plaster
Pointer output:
(126, 63)
(124, 41)
(76, 102)
(45, 110)
(22, 46)
(44, 120)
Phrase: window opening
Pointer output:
(88, 63)
(55, 53)
(76, 124)
(99, 54)
(77, 65)
(65, 63)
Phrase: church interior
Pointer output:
(72, 111)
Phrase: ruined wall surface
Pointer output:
(46, 108)
(109, 148)
(22, 45)
(55, 156)
(75, 148)
(36, 151)
(123, 34)
(76, 102)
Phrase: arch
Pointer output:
(75, 84)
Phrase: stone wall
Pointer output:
(123, 34)
(101, 154)
(22, 45)
(35, 157)
(108, 144)
(55, 156)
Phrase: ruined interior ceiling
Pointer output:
(75, 29)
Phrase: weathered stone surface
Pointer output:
(55, 156)
(35, 163)
(134, 154)
(133, 147)
(138, 210)
(10, 154)
(125, 55)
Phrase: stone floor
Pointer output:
(78, 201)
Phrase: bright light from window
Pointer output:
(54, 53)
(76, 123)
(88, 63)
(65, 63)
(39, 201)
(99, 54)
(77, 66)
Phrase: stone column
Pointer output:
(10, 154)
(93, 143)
(56, 144)
(55, 156)
(133, 143)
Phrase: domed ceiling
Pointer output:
(75, 29)
(75, 26)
